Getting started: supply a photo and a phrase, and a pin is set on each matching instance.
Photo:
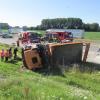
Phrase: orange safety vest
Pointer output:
(2, 54)
(7, 54)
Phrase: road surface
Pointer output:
(94, 55)
(9, 41)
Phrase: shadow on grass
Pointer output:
(80, 67)
(89, 67)
(50, 71)
(15, 61)
(76, 84)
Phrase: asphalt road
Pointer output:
(9, 41)
(94, 55)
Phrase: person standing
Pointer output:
(2, 55)
(15, 52)
(17, 43)
(6, 55)
(10, 53)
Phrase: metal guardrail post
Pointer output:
(86, 51)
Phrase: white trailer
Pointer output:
(77, 33)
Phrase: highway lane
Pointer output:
(9, 41)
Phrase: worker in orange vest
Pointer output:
(2, 54)
(6, 55)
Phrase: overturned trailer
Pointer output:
(68, 53)
(55, 54)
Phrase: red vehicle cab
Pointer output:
(25, 37)
(29, 37)
(60, 36)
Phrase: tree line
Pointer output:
(67, 23)
(59, 23)
(4, 26)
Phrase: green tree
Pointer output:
(60, 23)
(4, 26)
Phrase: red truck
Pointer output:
(60, 36)
(31, 37)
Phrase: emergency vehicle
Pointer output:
(60, 36)
(29, 37)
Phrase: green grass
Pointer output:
(21, 84)
(92, 35)
(4, 30)
(39, 31)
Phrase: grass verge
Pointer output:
(21, 84)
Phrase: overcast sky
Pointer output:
(31, 12)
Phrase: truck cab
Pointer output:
(60, 36)
(29, 36)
